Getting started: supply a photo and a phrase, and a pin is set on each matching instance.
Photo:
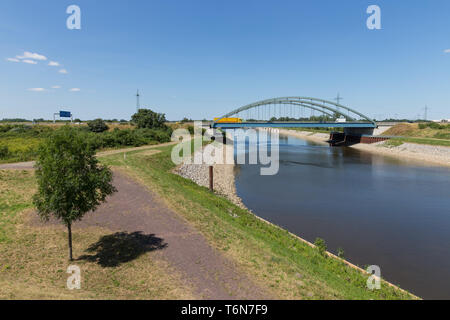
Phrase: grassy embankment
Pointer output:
(33, 259)
(275, 259)
(420, 133)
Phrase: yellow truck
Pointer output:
(228, 120)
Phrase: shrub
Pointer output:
(97, 125)
(433, 125)
(20, 129)
(5, 127)
(422, 126)
(4, 152)
(321, 246)
(341, 253)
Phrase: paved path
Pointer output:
(30, 164)
(134, 208)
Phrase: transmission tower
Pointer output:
(138, 105)
(338, 100)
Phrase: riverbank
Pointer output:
(273, 257)
(224, 185)
(411, 152)
(223, 176)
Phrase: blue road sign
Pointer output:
(65, 114)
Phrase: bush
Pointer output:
(341, 253)
(21, 129)
(433, 125)
(321, 246)
(128, 137)
(5, 127)
(4, 152)
(97, 125)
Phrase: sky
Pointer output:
(203, 58)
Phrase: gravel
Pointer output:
(224, 182)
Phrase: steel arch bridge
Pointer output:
(291, 114)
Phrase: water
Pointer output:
(380, 210)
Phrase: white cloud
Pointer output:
(447, 50)
(63, 71)
(75, 90)
(30, 55)
(13, 60)
(37, 89)
(53, 64)
(29, 61)
(56, 87)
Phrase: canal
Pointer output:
(380, 210)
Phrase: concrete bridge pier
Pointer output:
(358, 131)
(352, 136)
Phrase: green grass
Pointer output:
(33, 258)
(424, 133)
(274, 258)
(13, 200)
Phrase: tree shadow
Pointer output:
(115, 249)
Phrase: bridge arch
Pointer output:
(328, 108)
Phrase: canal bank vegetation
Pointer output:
(430, 133)
(274, 258)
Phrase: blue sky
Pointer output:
(201, 59)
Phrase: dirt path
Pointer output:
(136, 209)
(30, 164)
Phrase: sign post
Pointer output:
(63, 114)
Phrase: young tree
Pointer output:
(146, 118)
(71, 182)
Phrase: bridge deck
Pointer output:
(229, 125)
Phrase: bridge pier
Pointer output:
(352, 136)
(358, 131)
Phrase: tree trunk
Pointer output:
(69, 228)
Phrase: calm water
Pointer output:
(380, 210)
